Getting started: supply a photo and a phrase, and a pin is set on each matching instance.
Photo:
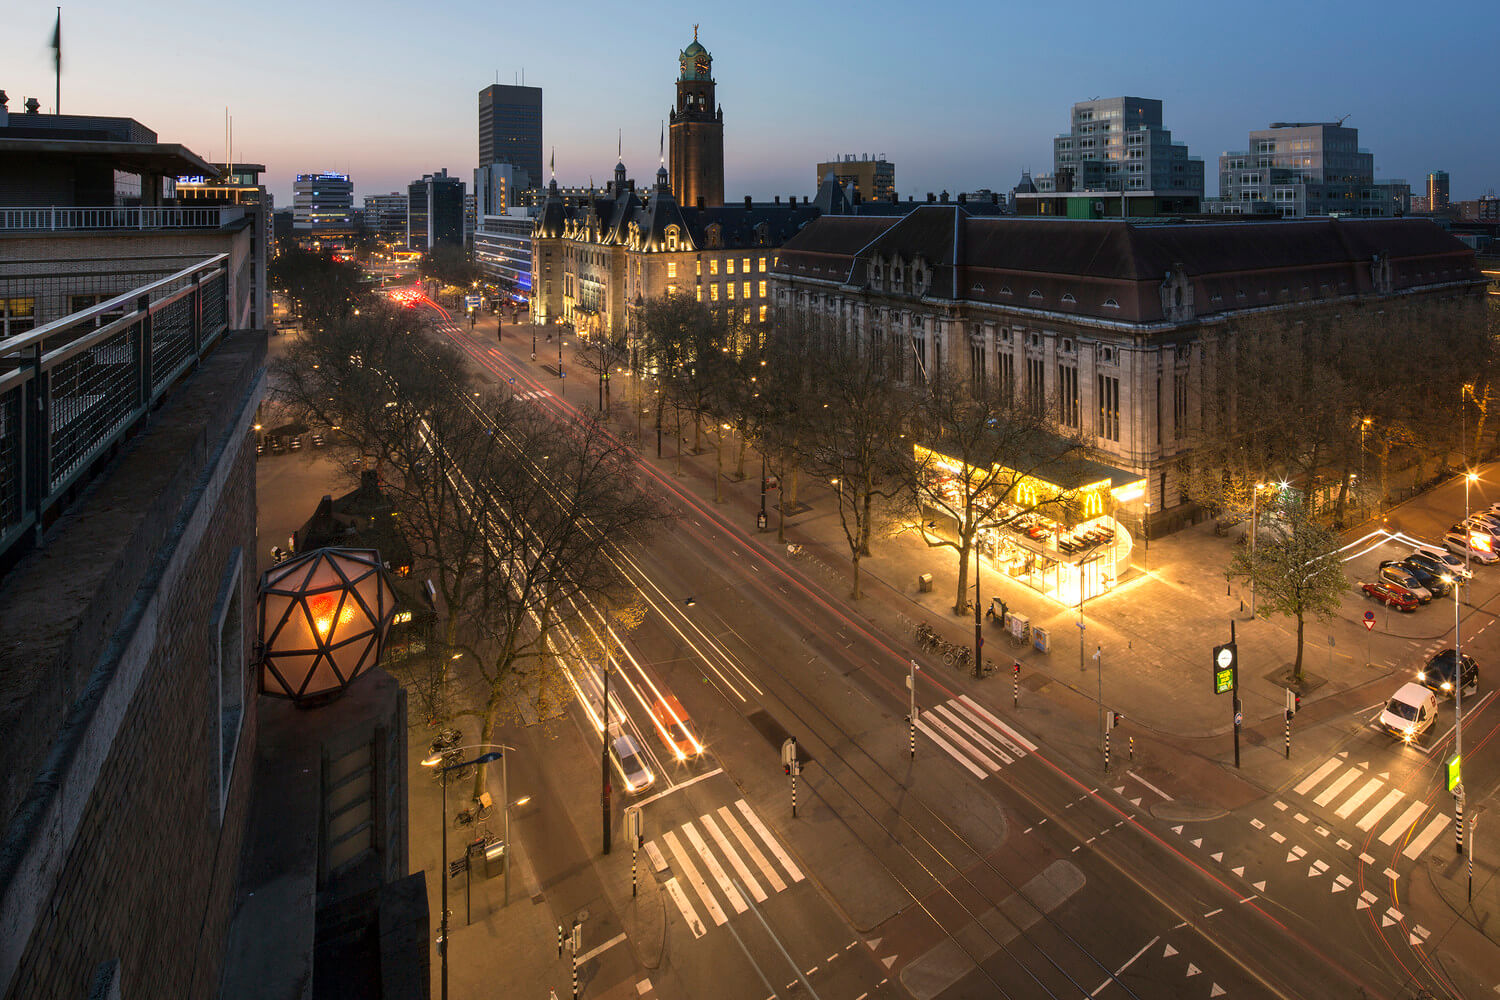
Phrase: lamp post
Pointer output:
(533, 342)
(978, 631)
(760, 519)
(443, 834)
(1364, 425)
(1458, 677)
(1254, 496)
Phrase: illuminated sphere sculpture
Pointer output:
(323, 619)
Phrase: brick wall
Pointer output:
(117, 849)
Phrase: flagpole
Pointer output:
(57, 45)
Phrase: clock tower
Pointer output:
(697, 131)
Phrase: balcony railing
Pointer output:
(109, 217)
(72, 388)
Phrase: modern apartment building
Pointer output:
(873, 177)
(502, 250)
(1117, 160)
(1298, 169)
(510, 128)
(385, 216)
(498, 186)
(435, 211)
(323, 206)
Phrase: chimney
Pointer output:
(778, 199)
(33, 105)
(931, 198)
(4, 111)
(945, 197)
(747, 201)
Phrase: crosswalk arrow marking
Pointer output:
(1218, 991)
(1240, 871)
(1193, 970)
(1217, 855)
(1291, 856)
(1120, 790)
(1363, 904)
(874, 943)
(1177, 829)
(1414, 939)
(1385, 920)
(889, 961)
(1169, 952)
(1313, 872)
(1197, 841)
(1261, 886)
(1135, 802)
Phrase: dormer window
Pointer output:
(1034, 294)
(1068, 298)
(1111, 304)
(1005, 290)
(672, 233)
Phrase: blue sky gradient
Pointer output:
(959, 96)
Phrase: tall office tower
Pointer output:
(1437, 191)
(435, 211)
(697, 132)
(323, 205)
(510, 128)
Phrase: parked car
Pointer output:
(1426, 577)
(1480, 527)
(1439, 561)
(673, 718)
(1390, 594)
(1463, 543)
(1440, 672)
(631, 764)
(1410, 712)
(1402, 577)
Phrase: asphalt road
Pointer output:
(985, 864)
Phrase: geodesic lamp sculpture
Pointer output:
(323, 622)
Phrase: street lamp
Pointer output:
(1254, 496)
(1458, 675)
(433, 761)
(1363, 426)
(760, 519)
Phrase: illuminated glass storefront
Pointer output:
(1063, 535)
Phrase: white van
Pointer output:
(1410, 712)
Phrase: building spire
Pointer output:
(695, 31)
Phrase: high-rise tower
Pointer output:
(697, 131)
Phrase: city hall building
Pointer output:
(1106, 326)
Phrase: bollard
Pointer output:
(1289, 736)
(575, 975)
(913, 721)
(1132, 749)
(794, 793)
(559, 939)
(1106, 750)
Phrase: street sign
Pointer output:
(458, 867)
(1239, 717)
(1370, 620)
(471, 301)
(1225, 665)
(1454, 778)
(634, 825)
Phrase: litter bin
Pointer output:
(494, 858)
(924, 583)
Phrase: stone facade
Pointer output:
(129, 706)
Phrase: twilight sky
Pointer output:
(960, 98)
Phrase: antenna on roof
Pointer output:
(1342, 120)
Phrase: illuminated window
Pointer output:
(698, 268)
(729, 290)
(762, 288)
(746, 262)
(729, 265)
(746, 290)
(671, 289)
(671, 269)
(762, 314)
(713, 266)
(699, 290)
(713, 292)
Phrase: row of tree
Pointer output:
(517, 518)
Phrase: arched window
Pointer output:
(671, 237)
(1111, 304)
(1068, 297)
(1034, 294)
(1005, 290)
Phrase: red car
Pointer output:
(1391, 595)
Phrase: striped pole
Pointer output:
(632, 867)
(913, 720)
(1289, 736)
(575, 975)
(1458, 821)
(794, 789)
(1132, 749)
(1106, 749)
(559, 930)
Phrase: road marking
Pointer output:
(969, 748)
(1317, 776)
(734, 858)
(1278, 837)
(1148, 784)
(601, 949)
(1257, 824)
(1407, 819)
(1426, 837)
(688, 913)
(1366, 900)
(1149, 944)
(1213, 913)
(766, 869)
(973, 769)
(1300, 817)
(771, 842)
(1281, 805)
(714, 868)
(1341, 882)
(1392, 874)
(1369, 819)
(994, 721)
(1342, 782)
(1356, 800)
(977, 736)
(696, 880)
(678, 788)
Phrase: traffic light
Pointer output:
(786, 768)
(1017, 668)
(1117, 718)
(1296, 703)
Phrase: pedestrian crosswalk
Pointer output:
(1351, 790)
(534, 394)
(972, 736)
(698, 851)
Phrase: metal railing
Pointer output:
(52, 219)
(71, 389)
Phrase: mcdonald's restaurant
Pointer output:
(1064, 529)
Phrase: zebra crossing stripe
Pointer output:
(1424, 840)
(729, 852)
(947, 711)
(1356, 800)
(696, 880)
(714, 868)
(1407, 819)
(688, 913)
(1334, 790)
(1312, 779)
(978, 755)
(1368, 821)
(771, 874)
(760, 828)
(1020, 741)
(927, 730)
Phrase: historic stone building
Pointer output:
(697, 132)
(1108, 325)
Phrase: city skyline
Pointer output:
(821, 84)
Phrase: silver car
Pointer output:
(631, 764)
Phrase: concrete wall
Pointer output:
(110, 707)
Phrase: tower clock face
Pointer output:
(702, 66)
